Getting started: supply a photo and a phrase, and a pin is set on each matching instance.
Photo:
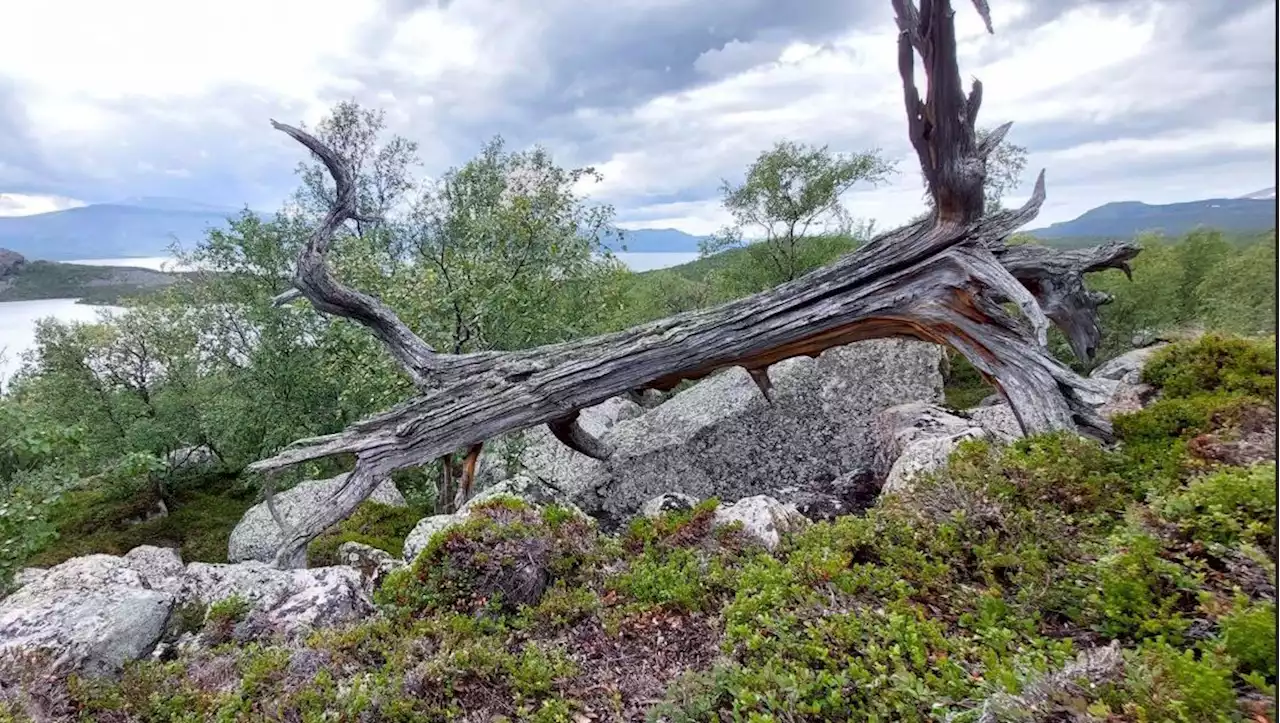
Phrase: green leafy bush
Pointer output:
(1215, 363)
(1226, 507)
(504, 556)
(1249, 636)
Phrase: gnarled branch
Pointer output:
(942, 280)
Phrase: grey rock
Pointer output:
(763, 518)
(917, 439)
(668, 502)
(536, 452)
(426, 529)
(256, 536)
(992, 399)
(286, 602)
(848, 494)
(899, 426)
(188, 458)
(531, 490)
(998, 420)
(1127, 368)
(95, 613)
(924, 456)
(159, 567)
(28, 576)
(374, 564)
(721, 438)
(1122, 378)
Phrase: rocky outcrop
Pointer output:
(286, 602)
(191, 458)
(1127, 367)
(763, 519)
(374, 564)
(850, 493)
(916, 439)
(11, 262)
(94, 613)
(722, 438)
(537, 453)
(256, 536)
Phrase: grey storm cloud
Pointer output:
(574, 72)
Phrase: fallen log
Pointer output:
(946, 279)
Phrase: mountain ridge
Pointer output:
(147, 226)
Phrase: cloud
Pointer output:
(1155, 100)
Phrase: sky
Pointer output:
(1157, 101)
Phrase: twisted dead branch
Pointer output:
(945, 280)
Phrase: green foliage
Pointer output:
(377, 525)
(1215, 363)
(789, 191)
(1227, 507)
(105, 519)
(1165, 683)
(504, 556)
(1140, 592)
(1249, 636)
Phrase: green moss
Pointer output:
(96, 520)
(384, 527)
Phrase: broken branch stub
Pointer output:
(942, 280)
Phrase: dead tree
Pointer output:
(950, 279)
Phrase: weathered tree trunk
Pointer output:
(943, 280)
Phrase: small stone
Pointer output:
(668, 502)
(763, 518)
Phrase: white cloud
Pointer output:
(149, 87)
(19, 204)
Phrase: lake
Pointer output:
(18, 318)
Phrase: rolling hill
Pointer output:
(1125, 219)
(130, 228)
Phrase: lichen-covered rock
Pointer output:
(533, 491)
(848, 494)
(998, 420)
(918, 438)
(286, 601)
(1122, 377)
(95, 613)
(722, 438)
(188, 458)
(668, 502)
(536, 492)
(1127, 367)
(427, 528)
(923, 456)
(161, 568)
(897, 427)
(536, 452)
(763, 518)
(256, 536)
(374, 564)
